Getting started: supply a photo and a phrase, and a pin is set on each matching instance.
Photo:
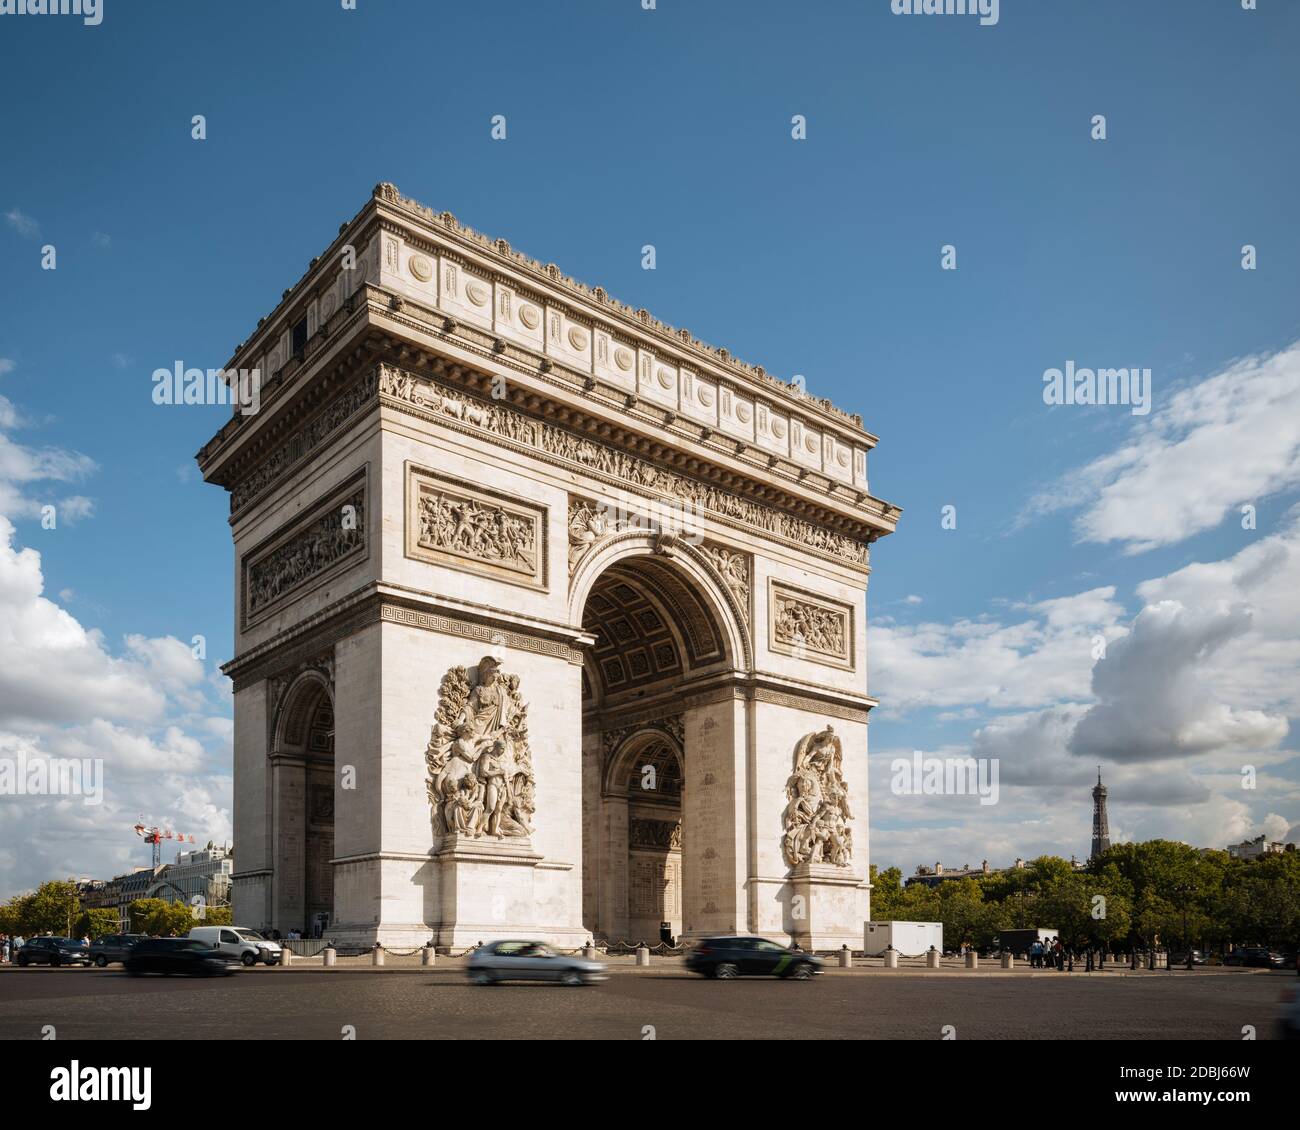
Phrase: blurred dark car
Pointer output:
(114, 947)
(175, 955)
(725, 958)
(530, 961)
(1288, 1015)
(54, 951)
(1256, 957)
(1179, 957)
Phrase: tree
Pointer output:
(160, 917)
(96, 922)
(52, 909)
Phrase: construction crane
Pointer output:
(155, 836)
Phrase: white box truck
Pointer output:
(911, 939)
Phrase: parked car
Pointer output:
(52, 950)
(530, 961)
(725, 958)
(114, 947)
(1258, 957)
(238, 943)
(175, 955)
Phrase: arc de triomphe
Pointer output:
(550, 619)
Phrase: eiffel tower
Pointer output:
(1100, 826)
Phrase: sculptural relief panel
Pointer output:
(817, 815)
(330, 537)
(480, 770)
(807, 626)
(449, 522)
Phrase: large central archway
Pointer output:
(664, 631)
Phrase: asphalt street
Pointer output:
(662, 1004)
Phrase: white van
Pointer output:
(237, 943)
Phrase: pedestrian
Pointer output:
(1059, 951)
(1036, 955)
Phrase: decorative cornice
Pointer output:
(360, 609)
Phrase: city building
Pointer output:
(203, 875)
(933, 876)
(1259, 846)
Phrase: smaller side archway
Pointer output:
(301, 806)
(640, 849)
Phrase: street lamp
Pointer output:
(1187, 890)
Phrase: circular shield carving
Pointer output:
(421, 268)
(477, 293)
(577, 338)
(530, 316)
(666, 378)
(623, 359)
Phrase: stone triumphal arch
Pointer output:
(550, 619)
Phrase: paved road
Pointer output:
(437, 1003)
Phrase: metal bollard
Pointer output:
(589, 951)
(846, 957)
(286, 957)
(643, 954)
(1008, 962)
(427, 955)
(891, 958)
(972, 959)
(932, 958)
(377, 955)
(330, 954)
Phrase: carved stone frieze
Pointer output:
(589, 522)
(480, 767)
(331, 534)
(665, 835)
(301, 443)
(734, 568)
(810, 627)
(473, 528)
(817, 814)
(616, 464)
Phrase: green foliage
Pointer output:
(163, 918)
(1158, 892)
(53, 908)
(96, 922)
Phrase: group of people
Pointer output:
(1046, 954)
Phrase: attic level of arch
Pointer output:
(378, 367)
(389, 213)
(309, 342)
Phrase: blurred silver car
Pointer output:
(530, 961)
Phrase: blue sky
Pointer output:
(818, 257)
